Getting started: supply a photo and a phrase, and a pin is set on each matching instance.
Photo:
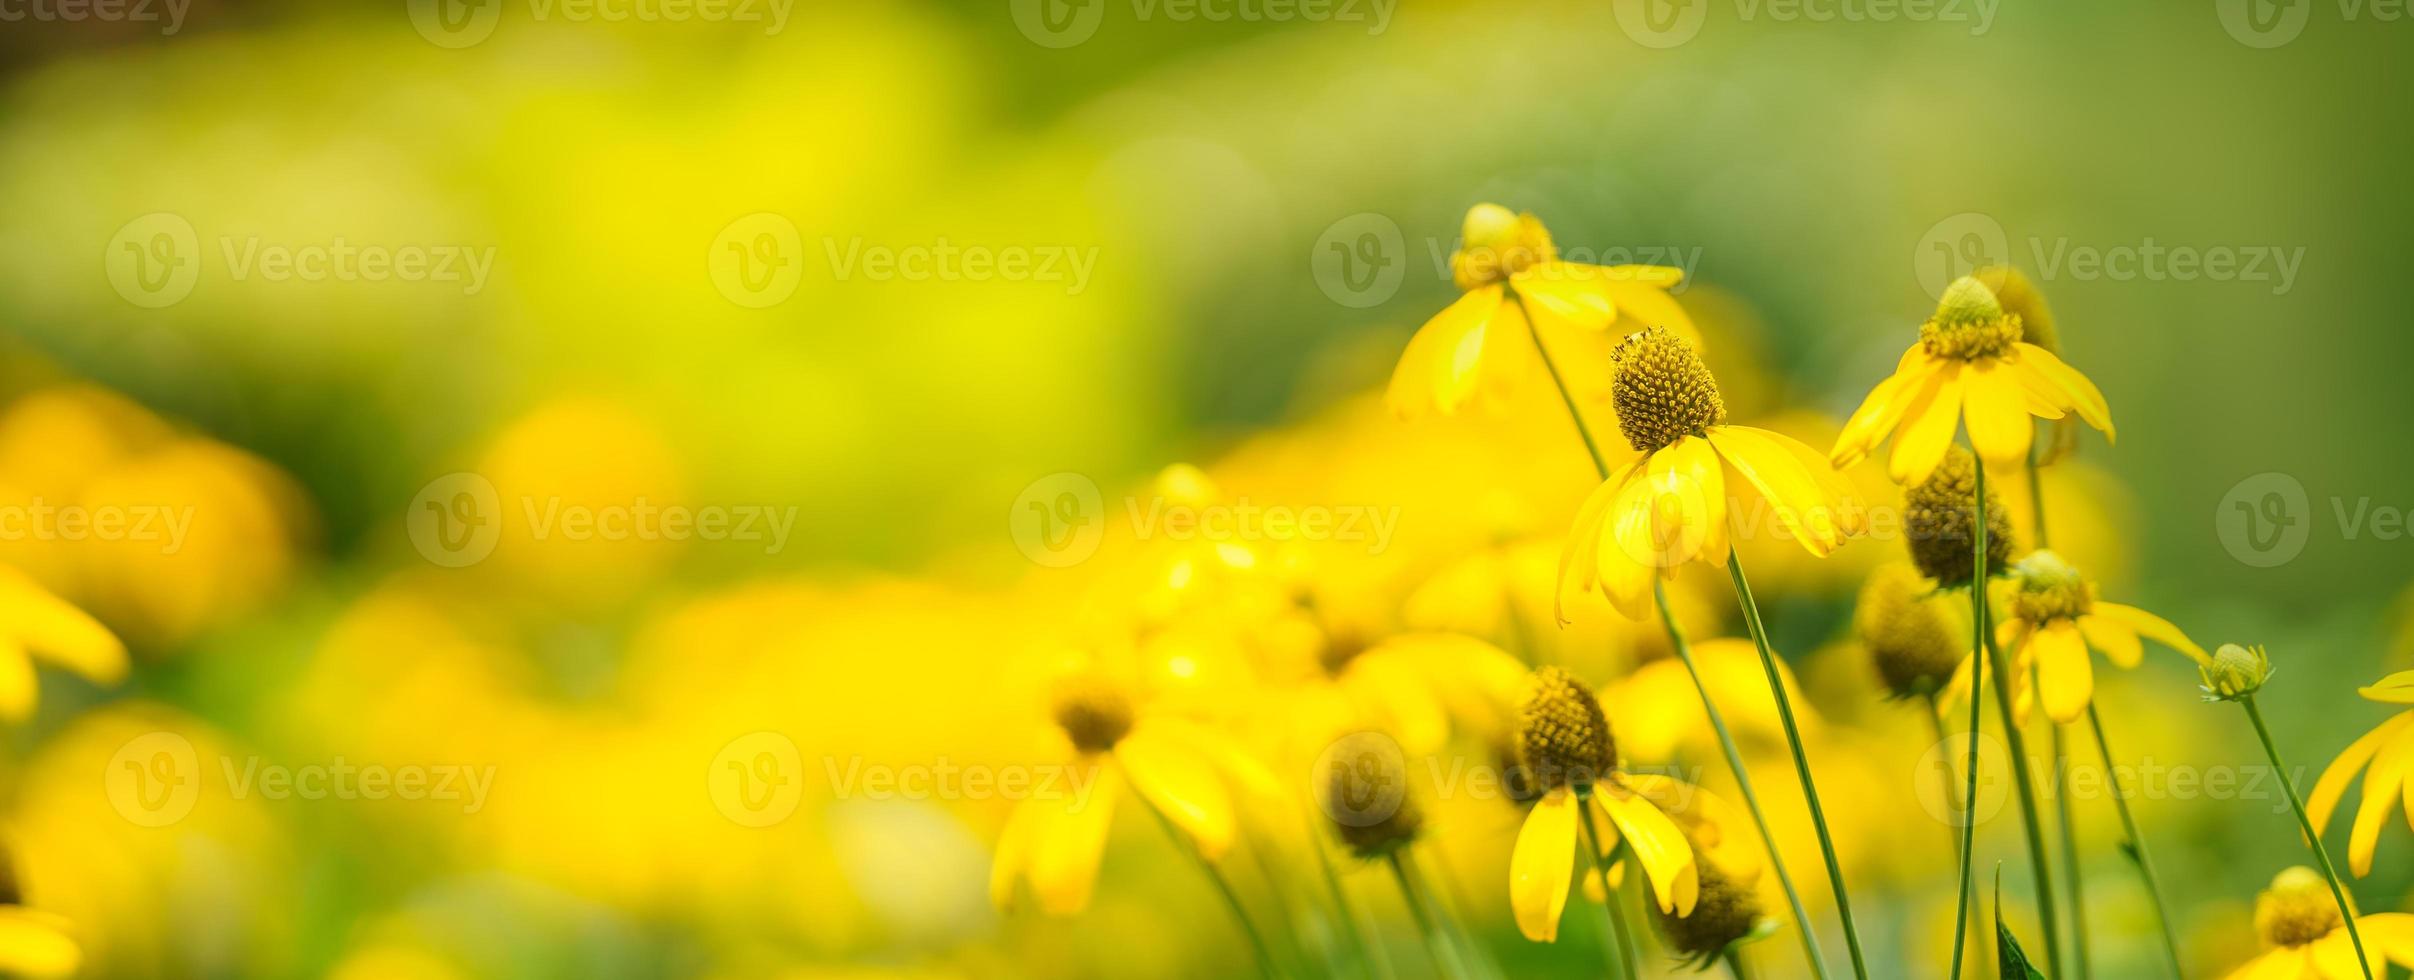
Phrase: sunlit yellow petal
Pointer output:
(2084, 397)
(2397, 688)
(1658, 843)
(1574, 294)
(54, 630)
(19, 689)
(1543, 864)
(1068, 839)
(1579, 562)
(1181, 785)
(1883, 408)
(1640, 307)
(2380, 793)
(1013, 852)
(2115, 638)
(1927, 429)
(35, 944)
(1719, 830)
(2389, 935)
(2064, 677)
(2333, 785)
(1997, 412)
(2285, 963)
(1437, 370)
(1801, 502)
(2153, 627)
(1689, 485)
(2334, 956)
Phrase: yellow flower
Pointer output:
(2021, 298)
(2055, 618)
(1915, 637)
(2388, 749)
(1481, 347)
(1970, 366)
(33, 943)
(42, 626)
(1567, 749)
(1662, 715)
(1670, 505)
(2299, 918)
(1055, 841)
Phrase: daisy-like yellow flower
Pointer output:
(2299, 918)
(1671, 505)
(1971, 367)
(2384, 756)
(33, 943)
(1481, 347)
(1055, 841)
(1567, 751)
(36, 625)
(2056, 617)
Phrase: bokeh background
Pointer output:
(1234, 215)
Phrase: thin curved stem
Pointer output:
(2137, 844)
(1743, 781)
(1445, 958)
(1962, 926)
(1793, 740)
(2070, 854)
(1223, 887)
(2036, 495)
(2338, 890)
(1953, 802)
(1584, 432)
(1375, 963)
(1618, 946)
(2039, 865)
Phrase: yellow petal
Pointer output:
(34, 943)
(1659, 844)
(1883, 408)
(2333, 785)
(1543, 864)
(1068, 839)
(1579, 564)
(54, 630)
(2380, 786)
(1574, 294)
(1688, 504)
(1438, 370)
(1181, 785)
(1997, 412)
(19, 690)
(2388, 935)
(2334, 956)
(2397, 688)
(2115, 638)
(1232, 763)
(1629, 556)
(1802, 503)
(1395, 694)
(2064, 677)
(1928, 426)
(1651, 306)
(1013, 852)
(2285, 963)
(2152, 627)
(2083, 394)
(1720, 831)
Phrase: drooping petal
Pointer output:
(1720, 831)
(1180, 784)
(1658, 843)
(1579, 561)
(1997, 412)
(2064, 677)
(2389, 935)
(1572, 293)
(1013, 856)
(1883, 408)
(35, 944)
(2117, 640)
(2381, 784)
(2154, 628)
(54, 630)
(2397, 688)
(1928, 425)
(19, 689)
(1802, 504)
(2334, 956)
(2333, 785)
(1543, 864)
(1631, 551)
(1441, 365)
(2084, 397)
(1642, 306)
(1689, 504)
(1068, 840)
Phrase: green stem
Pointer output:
(1736, 964)
(1743, 781)
(1445, 958)
(2039, 865)
(1793, 740)
(1223, 887)
(1962, 924)
(2070, 854)
(2137, 843)
(2036, 494)
(1584, 432)
(1376, 964)
(1953, 801)
(2337, 889)
(1618, 946)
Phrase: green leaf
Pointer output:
(2011, 963)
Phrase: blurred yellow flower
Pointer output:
(2299, 918)
(1671, 505)
(1970, 364)
(38, 626)
(1517, 294)
(2388, 749)
(2055, 618)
